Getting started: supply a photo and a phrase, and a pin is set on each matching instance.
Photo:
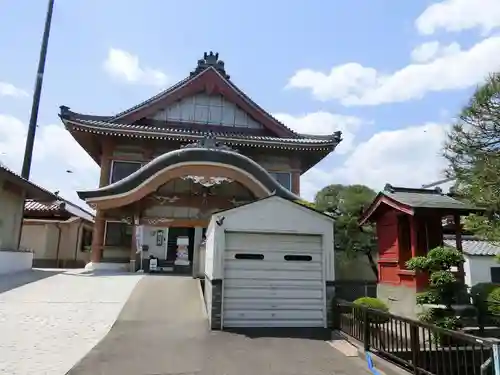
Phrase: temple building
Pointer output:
(168, 163)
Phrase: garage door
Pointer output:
(273, 280)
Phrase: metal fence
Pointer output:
(350, 290)
(418, 347)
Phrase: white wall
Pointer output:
(271, 215)
(210, 250)
(477, 268)
(150, 240)
(15, 261)
(11, 217)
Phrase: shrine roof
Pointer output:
(209, 76)
(410, 199)
(104, 126)
(207, 150)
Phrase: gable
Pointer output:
(273, 206)
(207, 109)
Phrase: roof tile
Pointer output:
(473, 246)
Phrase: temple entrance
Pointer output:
(173, 234)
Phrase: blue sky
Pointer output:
(390, 74)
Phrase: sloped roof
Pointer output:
(424, 198)
(33, 191)
(209, 75)
(207, 150)
(188, 134)
(60, 206)
(410, 199)
(472, 245)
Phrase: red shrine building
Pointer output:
(168, 163)
(409, 223)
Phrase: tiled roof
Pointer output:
(210, 63)
(54, 206)
(473, 246)
(60, 206)
(32, 190)
(185, 81)
(143, 131)
(425, 198)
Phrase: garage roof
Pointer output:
(295, 202)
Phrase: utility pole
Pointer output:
(30, 138)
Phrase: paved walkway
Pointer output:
(162, 330)
(49, 320)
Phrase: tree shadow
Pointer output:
(18, 279)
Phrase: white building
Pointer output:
(480, 264)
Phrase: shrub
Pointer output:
(480, 293)
(493, 302)
(374, 304)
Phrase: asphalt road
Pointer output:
(163, 330)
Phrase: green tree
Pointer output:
(472, 149)
(346, 202)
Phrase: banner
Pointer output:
(138, 238)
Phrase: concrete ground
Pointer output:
(50, 319)
(163, 330)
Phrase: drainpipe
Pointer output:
(58, 226)
(78, 240)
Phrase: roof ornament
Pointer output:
(210, 60)
(209, 142)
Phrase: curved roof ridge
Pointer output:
(198, 152)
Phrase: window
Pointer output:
(86, 241)
(495, 275)
(118, 234)
(404, 239)
(122, 169)
(284, 178)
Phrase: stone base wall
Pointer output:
(330, 295)
(213, 301)
(400, 299)
(61, 263)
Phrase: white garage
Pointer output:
(267, 265)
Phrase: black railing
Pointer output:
(350, 290)
(418, 347)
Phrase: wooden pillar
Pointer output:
(100, 222)
(106, 157)
(296, 183)
(98, 237)
(458, 245)
(414, 236)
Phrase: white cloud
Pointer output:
(458, 15)
(125, 66)
(8, 89)
(354, 84)
(407, 157)
(55, 152)
(324, 123)
(431, 50)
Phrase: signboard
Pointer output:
(182, 251)
(139, 239)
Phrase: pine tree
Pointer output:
(473, 151)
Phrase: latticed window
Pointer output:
(122, 169)
(118, 234)
(284, 178)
